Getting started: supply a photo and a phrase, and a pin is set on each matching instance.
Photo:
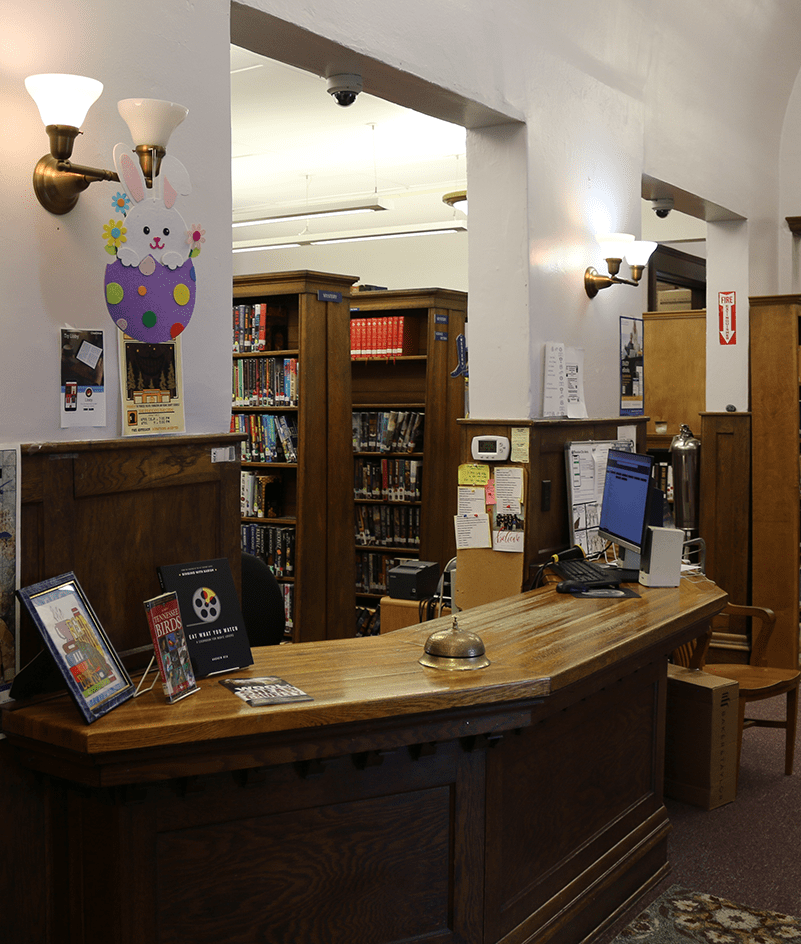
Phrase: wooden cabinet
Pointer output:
(418, 381)
(311, 496)
(775, 363)
(674, 364)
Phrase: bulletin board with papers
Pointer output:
(585, 468)
(490, 533)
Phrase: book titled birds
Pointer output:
(169, 643)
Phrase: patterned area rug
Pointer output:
(679, 916)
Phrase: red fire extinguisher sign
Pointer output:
(727, 317)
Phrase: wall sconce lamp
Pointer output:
(457, 200)
(63, 102)
(616, 246)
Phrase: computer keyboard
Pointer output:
(593, 570)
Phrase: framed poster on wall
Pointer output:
(631, 367)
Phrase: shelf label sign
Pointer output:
(324, 296)
(727, 316)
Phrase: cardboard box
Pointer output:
(397, 614)
(700, 738)
(674, 299)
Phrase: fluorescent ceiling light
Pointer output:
(416, 232)
(430, 229)
(270, 246)
(315, 214)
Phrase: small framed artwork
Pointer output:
(95, 676)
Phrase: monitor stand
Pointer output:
(629, 565)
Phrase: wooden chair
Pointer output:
(756, 680)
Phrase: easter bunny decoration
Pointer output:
(154, 227)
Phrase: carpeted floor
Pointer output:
(748, 851)
(682, 917)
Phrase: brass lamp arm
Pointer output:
(594, 281)
(89, 174)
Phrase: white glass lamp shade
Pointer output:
(639, 252)
(614, 245)
(150, 120)
(63, 99)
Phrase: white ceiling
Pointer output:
(294, 147)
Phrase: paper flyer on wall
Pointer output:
(9, 566)
(563, 381)
(151, 387)
(83, 394)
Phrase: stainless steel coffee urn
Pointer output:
(685, 457)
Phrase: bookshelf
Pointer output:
(775, 512)
(407, 490)
(297, 503)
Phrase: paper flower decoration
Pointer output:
(194, 237)
(121, 202)
(114, 235)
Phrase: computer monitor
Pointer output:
(627, 502)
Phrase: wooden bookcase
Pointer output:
(316, 493)
(419, 381)
(776, 516)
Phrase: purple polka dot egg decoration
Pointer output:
(150, 302)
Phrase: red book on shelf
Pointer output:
(408, 342)
(353, 333)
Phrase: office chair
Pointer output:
(262, 603)
(757, 681)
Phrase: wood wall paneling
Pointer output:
(111, 511)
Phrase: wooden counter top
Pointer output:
(538, 643)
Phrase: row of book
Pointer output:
(386, 336)
(259, 327)
(288, 592)
(387, 525)
(387, 431)
(260, 494)
(273, 543)
(663, 476)
(371, 571)
(270, 437)
(265, 381)
(398, 480)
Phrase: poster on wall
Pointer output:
(151, 387)
(9, 565)
(83, 393)
(631, 367)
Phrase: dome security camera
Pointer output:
(345, 88)
(662, 206)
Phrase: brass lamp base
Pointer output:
(594, 281)
(55, 189)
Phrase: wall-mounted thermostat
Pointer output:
(490, 448)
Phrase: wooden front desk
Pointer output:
(520, 802)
